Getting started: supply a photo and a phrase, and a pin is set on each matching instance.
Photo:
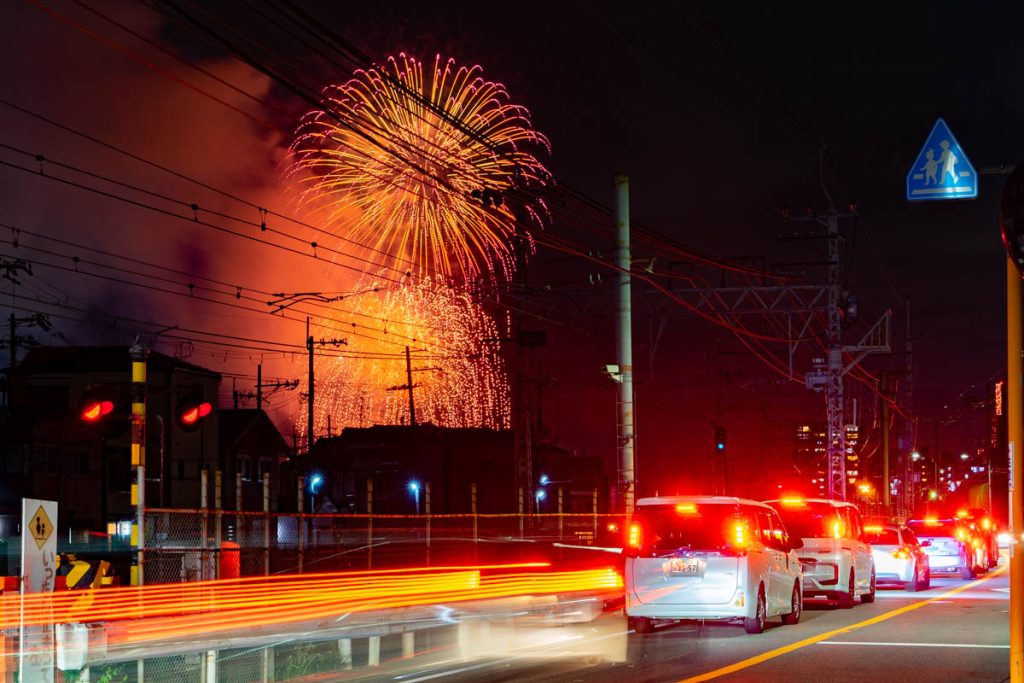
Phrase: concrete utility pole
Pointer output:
(408, 384)
(884, 397)
(626, 435)
(311, 391)
(310, 402)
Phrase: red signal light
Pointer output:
(192, 415)
(95, 410)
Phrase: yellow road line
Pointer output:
(785, 649)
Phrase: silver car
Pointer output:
(710, 557)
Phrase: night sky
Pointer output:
(719, 112)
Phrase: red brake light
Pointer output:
(740, 540)
(793, 501)
(635, 536)
(873, 529)
(686, 508)
(837, 529)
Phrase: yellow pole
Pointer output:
(1015, 443)
(139, 354)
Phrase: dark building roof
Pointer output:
(99, 359)
(251, 430)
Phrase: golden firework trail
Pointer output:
(423, 164)
(459, 377)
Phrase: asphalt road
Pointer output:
(956, 631)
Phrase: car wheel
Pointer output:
(967, 572)
(869, 597)
(796, 606)
(927, 578)
(915, 582)
(846, 599)
(755, 624)
(641, 624)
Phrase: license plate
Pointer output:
(685, 566)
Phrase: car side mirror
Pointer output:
(925, 544)
(630, 551)
(795, 543)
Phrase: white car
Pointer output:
(710, 557)
(836, 558)
(899, 558)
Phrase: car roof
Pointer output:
(699, 500)
(829, 501)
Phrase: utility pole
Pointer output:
(311, 379)
(1015, 441)
(259, 378)
(625, 436)
(884, 394)
(408, 384)
(311, 392)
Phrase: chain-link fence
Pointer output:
(195, 545)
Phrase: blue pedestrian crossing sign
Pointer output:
(941, 170)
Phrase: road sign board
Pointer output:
(38, 571)
(40, 527)
(941, 170)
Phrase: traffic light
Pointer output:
(720, 438)
(95, 409)
(96, 403)
(191, 410)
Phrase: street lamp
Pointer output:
(915, 456)
(314, 488)
(964, 456)
(540, 495)
(414, 488)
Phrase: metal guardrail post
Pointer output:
(204, 532)
(521, 519)
(476, 516)
(427, 500)
(561, 517)
(300, 521)
(218, 517)
(369, 534)
(266, 523)
(267, 663)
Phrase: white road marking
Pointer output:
(965, 645)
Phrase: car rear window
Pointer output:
(946, 527)
(810, 520)
(688, 526)
(883, 537)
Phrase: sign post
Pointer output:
(38, 572)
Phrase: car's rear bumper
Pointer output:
(741, 605)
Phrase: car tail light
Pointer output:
(635, 536)
(837, 528)
(739, 537)
(901, 554)
(960, 534)
(986, 523)
(686, 508)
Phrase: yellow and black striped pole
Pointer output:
(139, 353)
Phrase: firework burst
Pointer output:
(459, 378)
(423, 165)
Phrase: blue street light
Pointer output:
(540, 495)
(314, 483)
(414, 487)
(544, 481)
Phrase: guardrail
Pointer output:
(276, 628)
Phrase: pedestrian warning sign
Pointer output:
(941, 170)
(40, 527)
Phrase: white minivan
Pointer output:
(710, 557)
(836, 557)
